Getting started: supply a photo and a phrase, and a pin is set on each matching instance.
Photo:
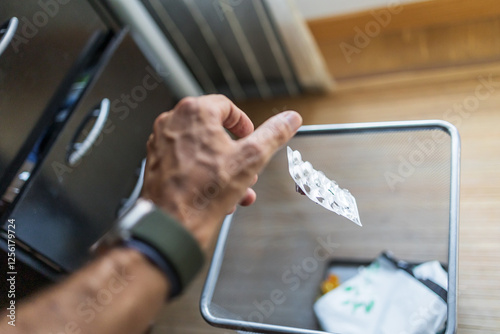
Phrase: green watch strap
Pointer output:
(174, 242)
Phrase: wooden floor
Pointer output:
(431, 96)
(412, 96)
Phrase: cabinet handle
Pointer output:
(8, 30)
(78, 150)
(134, 195)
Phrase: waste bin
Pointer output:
(271, 257)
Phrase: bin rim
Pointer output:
(455, 149)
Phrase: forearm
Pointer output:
(197, 173)
(120, 292)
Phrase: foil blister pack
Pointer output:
(320, 189)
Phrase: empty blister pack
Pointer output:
(321, 190)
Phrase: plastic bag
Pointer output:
(387, 298)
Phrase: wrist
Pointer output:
(196, 221)
(161, 239)
(154, 257)
(129, 263)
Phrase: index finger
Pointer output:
(231, 117)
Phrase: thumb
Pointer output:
(274, 133)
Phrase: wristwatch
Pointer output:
(163, 240)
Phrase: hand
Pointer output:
(196, 172)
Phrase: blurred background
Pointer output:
(334, 61)
(377, 60)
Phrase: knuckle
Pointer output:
(187, 103)
(151, 139)
(189, 108)
(220, 97)
(150, 144)
(252, 153)
(160, 121)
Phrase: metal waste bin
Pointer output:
(271, 257)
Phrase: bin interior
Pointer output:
(277, 251)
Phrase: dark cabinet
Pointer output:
(94, 142)
(40, 54)
(76, 194)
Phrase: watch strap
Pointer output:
(172, 241)
(160, 262)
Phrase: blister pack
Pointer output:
(320, 189)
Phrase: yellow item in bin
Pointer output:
(330, 283)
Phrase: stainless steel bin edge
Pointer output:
(216, 263)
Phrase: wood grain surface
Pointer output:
(414, 36)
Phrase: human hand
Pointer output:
(196, 172)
